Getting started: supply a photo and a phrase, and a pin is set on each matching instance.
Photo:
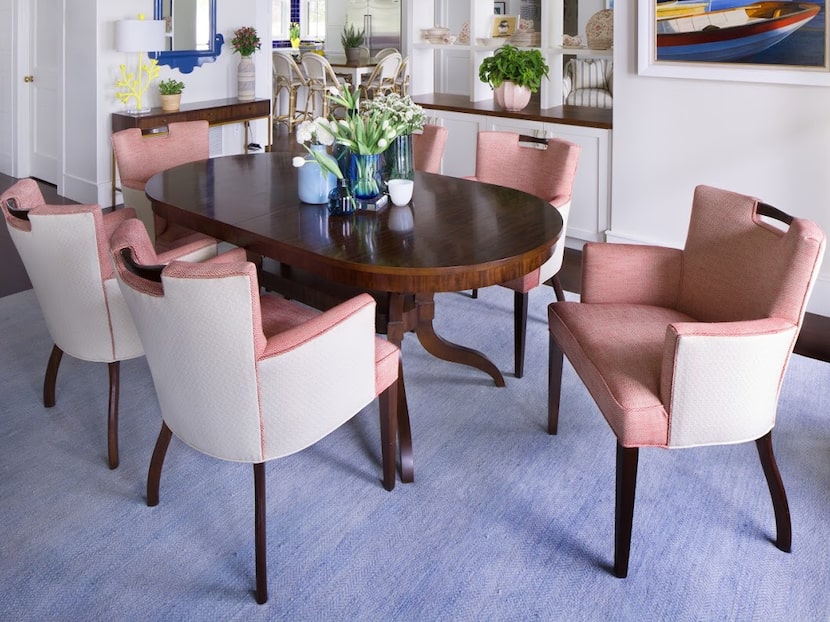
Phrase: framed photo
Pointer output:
(734, 40)
(499, 8)
(504, 25)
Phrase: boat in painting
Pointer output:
(667, 9)
(730, 34)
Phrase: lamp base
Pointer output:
(137, 111)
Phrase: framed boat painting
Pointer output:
(784, 42)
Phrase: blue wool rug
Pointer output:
(503, 522)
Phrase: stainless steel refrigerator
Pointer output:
(381, 21)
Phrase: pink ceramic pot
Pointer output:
(511, 96)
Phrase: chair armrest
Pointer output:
(344, 314)
(200, 249)
(720, 381)
(116, 217)
(631, 274)
(229, 256)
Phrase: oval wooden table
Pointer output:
(455, 235)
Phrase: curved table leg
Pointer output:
(443, 349)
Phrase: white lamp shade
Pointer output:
(139, 35)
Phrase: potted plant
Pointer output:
(352, 39)
(294, 35)
(171, 94)
(246, 42)
(514, 74)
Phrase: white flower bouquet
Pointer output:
(402, 112)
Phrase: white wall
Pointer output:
(766, 140)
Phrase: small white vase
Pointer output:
(511, 96)
(246, 79)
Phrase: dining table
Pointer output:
(454, 235)
(355, 70)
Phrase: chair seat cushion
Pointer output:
(617, 351)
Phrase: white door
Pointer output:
(40, 99)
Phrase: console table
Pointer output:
(215, 112)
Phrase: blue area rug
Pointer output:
(503, 522)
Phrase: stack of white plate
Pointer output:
(527, 39)
(436, 34)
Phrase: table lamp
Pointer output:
(138, 35)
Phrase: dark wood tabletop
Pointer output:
(455, 235)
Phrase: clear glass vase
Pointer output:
(365, 176)
(399, 159)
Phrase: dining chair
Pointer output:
(291, 85)
(382, 78)
(321, 78)
(252, 377)
(139, 156)
(688, 347)
(402, 79)
(386, 52)
(547, 169)
(64, 249)
(428, 148)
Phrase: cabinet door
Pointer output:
(590, 206)
(460, 150)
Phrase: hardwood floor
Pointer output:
(814, 340)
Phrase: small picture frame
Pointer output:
(500, 8)
(504, 25)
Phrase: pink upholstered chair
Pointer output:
(253, 377)
(428, 148)
(140, 156)
(65, 249)
(684, 348)
(546, 172)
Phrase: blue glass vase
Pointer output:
(365, 176)
(313, 182)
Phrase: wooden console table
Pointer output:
(215, 112)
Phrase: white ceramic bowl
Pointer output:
(400, 190)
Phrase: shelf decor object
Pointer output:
(138, 36)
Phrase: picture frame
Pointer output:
(795, 59)
(500, 8)
(504, 25)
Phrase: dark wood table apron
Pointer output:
(463, 235)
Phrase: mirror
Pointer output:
(192, 39)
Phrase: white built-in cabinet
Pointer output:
(453, 69)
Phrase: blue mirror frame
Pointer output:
(187, 60)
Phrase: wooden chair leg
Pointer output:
(627, 458)
(156, 463)
(259, 534)
(554, 384)
(51, 377)
(388, 407)
(783, 526)
(557, 288)
(519, 331)
(112, 416)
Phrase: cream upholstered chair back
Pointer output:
(250, 378)
(428, 148)
(64, 251)
(140, 156)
